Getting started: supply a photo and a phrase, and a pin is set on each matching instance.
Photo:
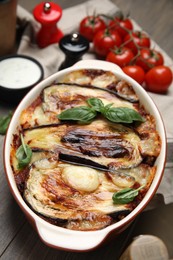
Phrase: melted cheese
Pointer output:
(37, 117)
(122, 180)
(77, 77)
(81, 178)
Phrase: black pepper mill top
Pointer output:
(74, 47)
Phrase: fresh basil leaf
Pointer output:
(122, 115)
(126, 195)
(4, 122)
(23, 154)
(107, 107)
(134, 115)
(81, 114)
(96, 103)
(117, 115)
(84, 114)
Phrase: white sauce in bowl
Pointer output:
(19, 72)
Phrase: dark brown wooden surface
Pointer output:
(18, 240)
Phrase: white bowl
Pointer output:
(59, 237)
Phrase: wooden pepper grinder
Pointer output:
(48, 14)
(74, 47)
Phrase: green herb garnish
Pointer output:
(84, 114)
(23, 154)
(122, 115)
(96, 104)
(4, 122)
(126, 195)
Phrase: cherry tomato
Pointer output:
(90, 25)
(136, 39)
(158, 79)
(120, 56)
(135, 72)
(121, 25)
(105, 40)
(149, 59)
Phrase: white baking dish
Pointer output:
(58, 237)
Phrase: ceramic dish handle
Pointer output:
(98, 64)
(69, 239)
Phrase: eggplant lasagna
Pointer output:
(75, 168)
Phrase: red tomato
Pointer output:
(135, 72)
(149, 59)
(158, 79)
(105, 40)
(121, 25)
(90, 25)
(139, 39)
(120, 56)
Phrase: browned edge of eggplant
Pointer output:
(116, 216)
(44, 126)
(74, 159)
(93, 87)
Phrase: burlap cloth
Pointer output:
(51, 58)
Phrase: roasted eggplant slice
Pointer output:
(80, 195)
(63, 96)
(61, 191)
(111, 145)
(104, 80)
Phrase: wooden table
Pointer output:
(18, 240)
